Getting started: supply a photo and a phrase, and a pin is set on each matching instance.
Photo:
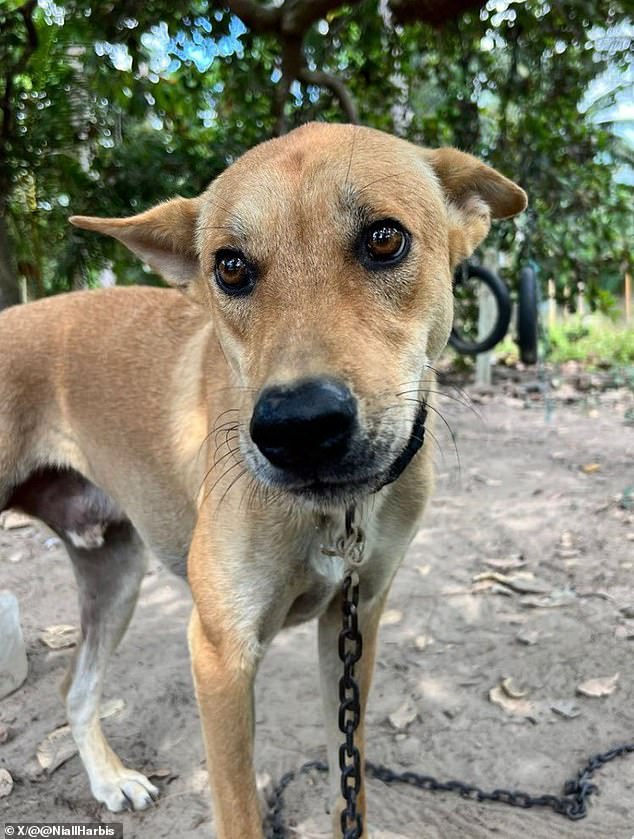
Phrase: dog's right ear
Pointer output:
(164, 237)
(475, 194)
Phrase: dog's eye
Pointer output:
(385, 243)
(234, 273)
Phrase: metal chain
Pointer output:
(350, 649)
(573, 804)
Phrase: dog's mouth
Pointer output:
(341, 488)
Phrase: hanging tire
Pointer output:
(528, 316)
(464, 334)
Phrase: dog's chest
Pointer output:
(321, 572)
(320, 577)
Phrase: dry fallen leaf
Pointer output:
(566, 708)
(490, 587)
(599, 687)
(263, 779)
(423, 641)
(6, 783)
(515, 707)
(12, 520)
(423, 570)
(391, 617)
(528, 637)
(403, 716)
(510, 689)
(589, 468)
(523, 582)
(59, 636)
(511, 563)
(110, 708)
(56, 748)
(556, 598)
(566, 540)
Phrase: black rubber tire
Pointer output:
(502, 297)
(528, 316)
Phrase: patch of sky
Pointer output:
(166, 52)
(296, 92)
(53, 14)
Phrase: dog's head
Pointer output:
(325, 258)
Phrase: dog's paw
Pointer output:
(127, 790)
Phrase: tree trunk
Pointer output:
(9, 291)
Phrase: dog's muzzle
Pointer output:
(305, 428)
(310, 432)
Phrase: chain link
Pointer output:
(573, 804)
(350, 649)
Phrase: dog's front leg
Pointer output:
(225, 651)
(331, 670)
(224, 678)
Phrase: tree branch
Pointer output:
(299, 15)
(336, 86)
(258, 18)
(434, 12)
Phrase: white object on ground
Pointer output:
(13, 662)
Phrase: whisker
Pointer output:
(467, 405)
(229, 452)
(211, 469)
(224, 474)
(233, 482)
(379, 180)
(227, 431)
(354, 139)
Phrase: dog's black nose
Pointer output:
(306, 425)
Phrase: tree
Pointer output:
(95, 105)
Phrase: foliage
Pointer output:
(596, 341)
(113, 111)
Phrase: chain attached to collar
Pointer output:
(350, 649)
(572, 804)
(349, 545)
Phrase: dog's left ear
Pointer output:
(164, 237)
(475, 195)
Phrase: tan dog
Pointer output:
(233, 424)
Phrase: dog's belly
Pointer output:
(69, 504)
(81, 513)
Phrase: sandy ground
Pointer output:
(522, 505)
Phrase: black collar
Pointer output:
(416, 440)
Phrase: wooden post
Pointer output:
(581, 301)
(552, 304)
(486, 316)
(24, 289)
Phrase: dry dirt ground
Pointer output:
(542, 498)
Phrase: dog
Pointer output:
(228, 424)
